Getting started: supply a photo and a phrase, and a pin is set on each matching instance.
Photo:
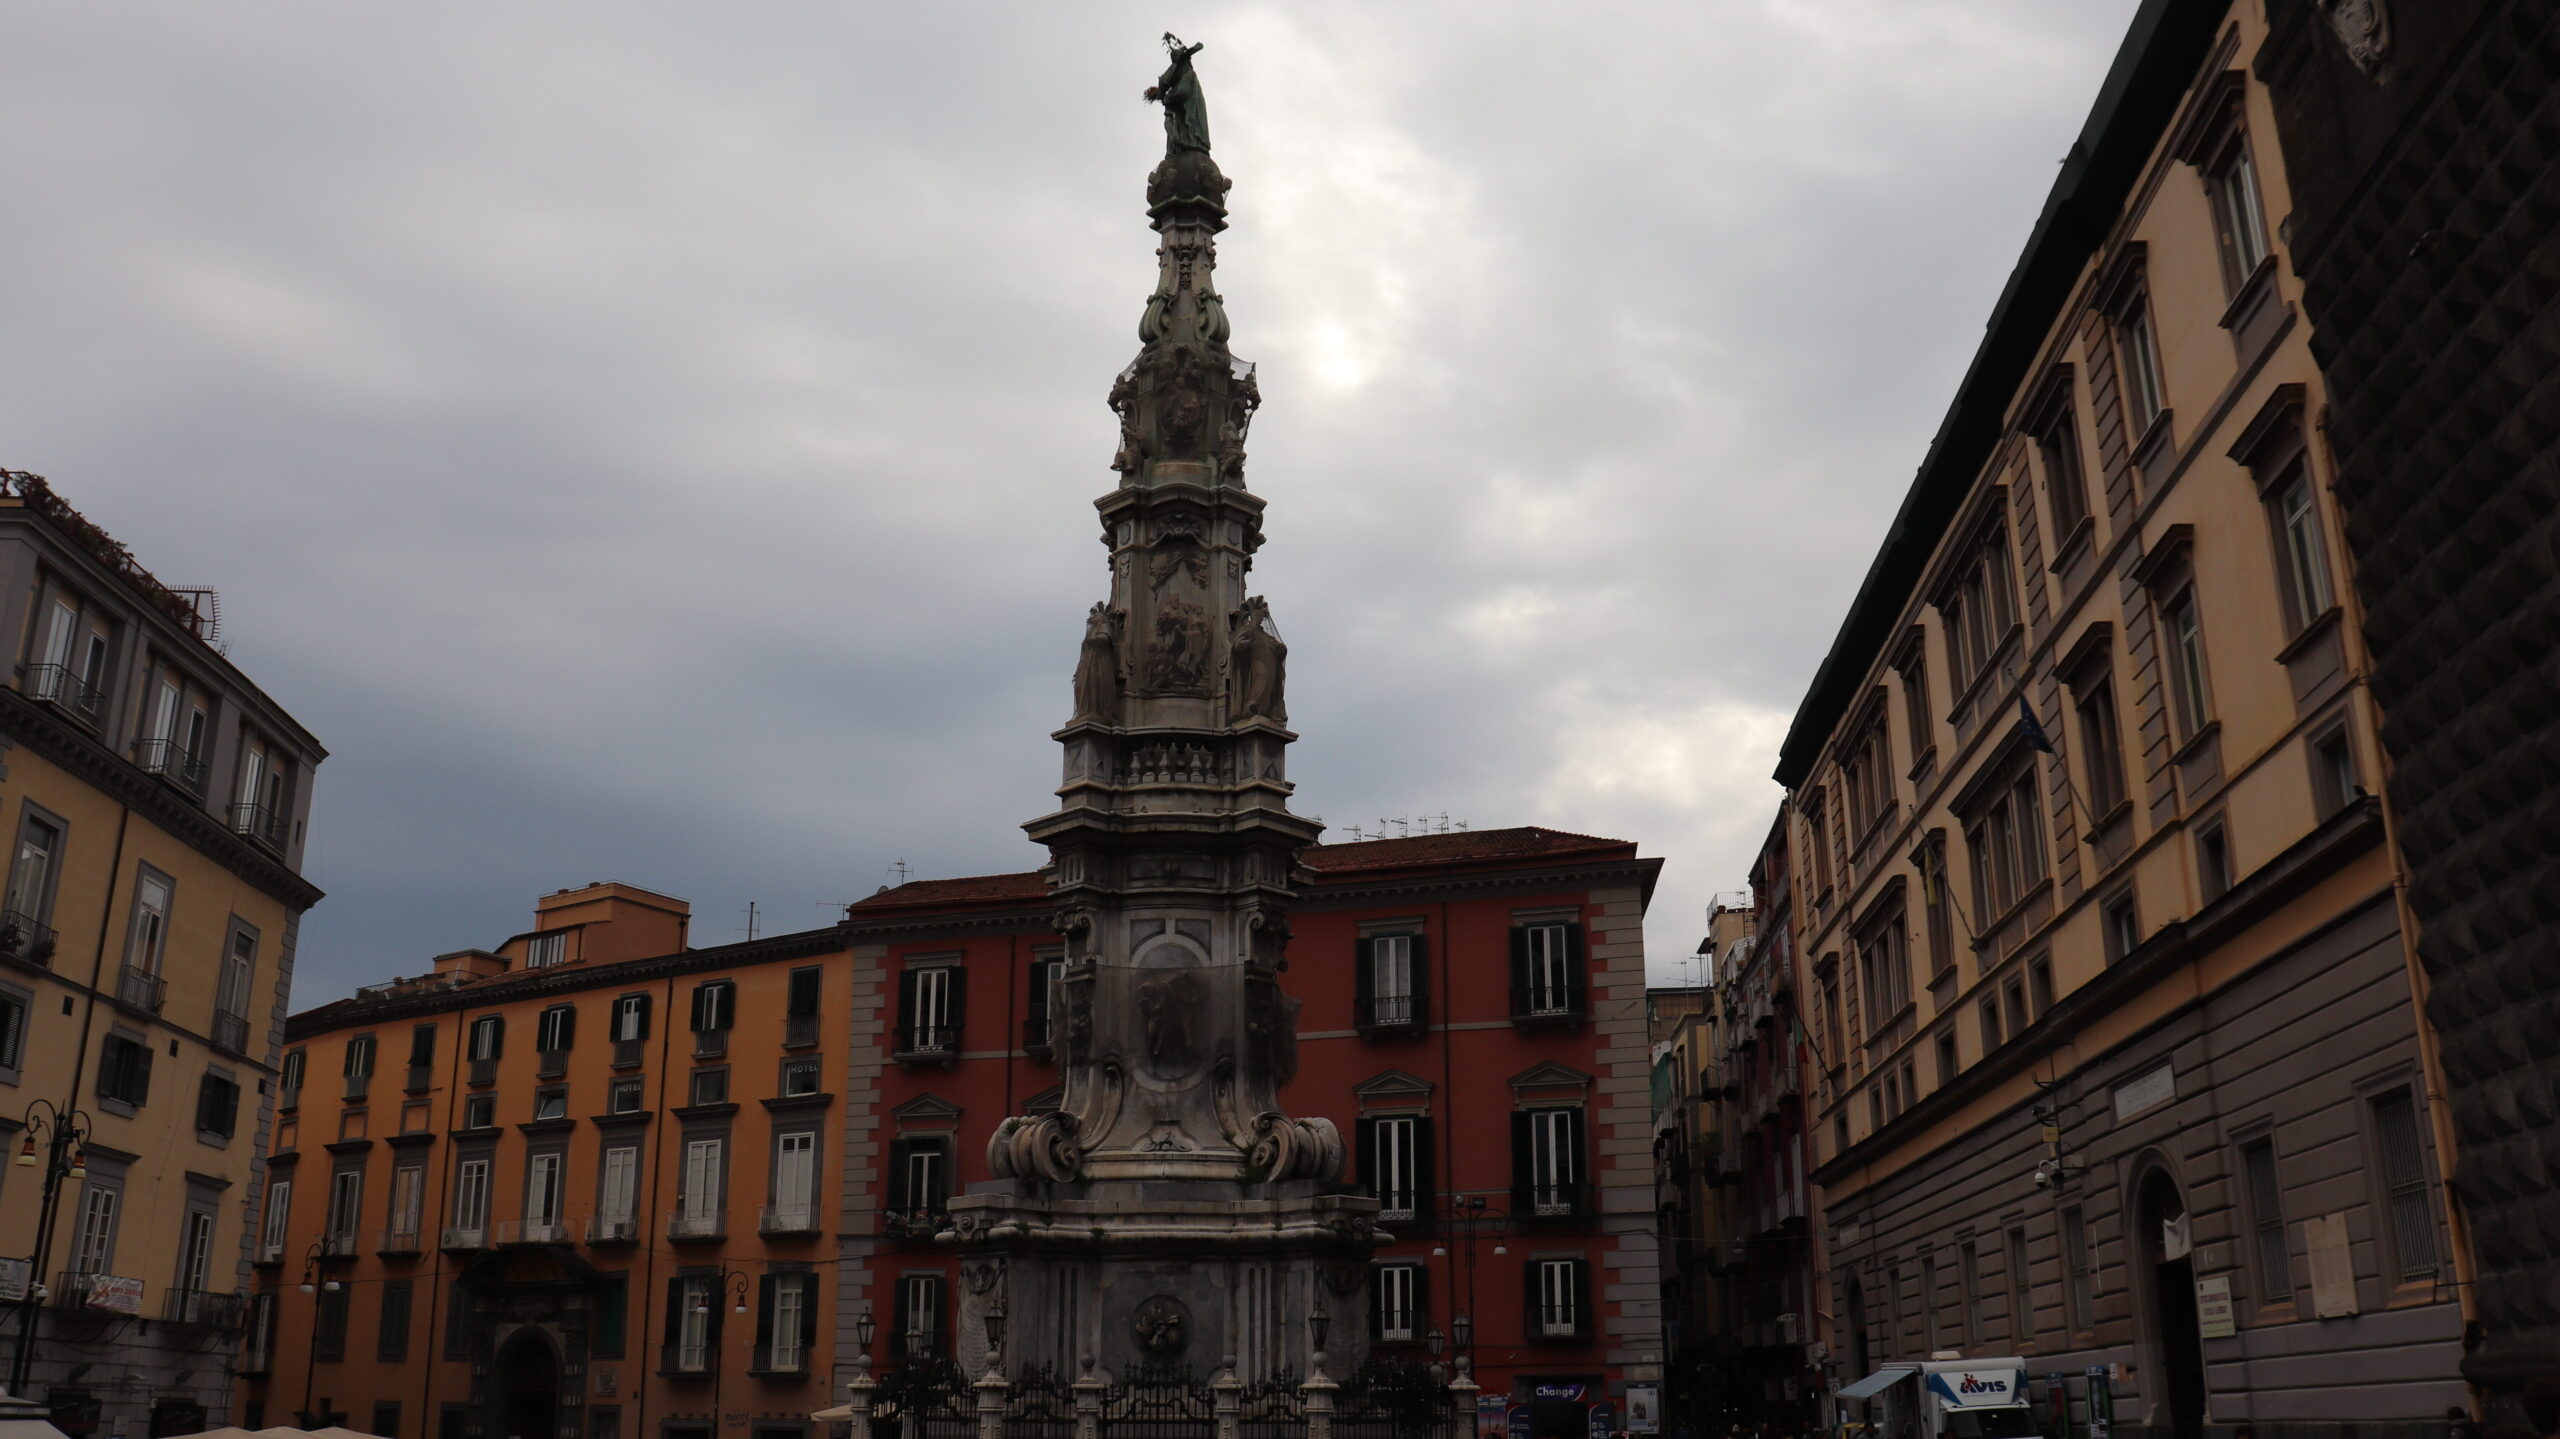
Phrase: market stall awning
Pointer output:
(1878, 1382)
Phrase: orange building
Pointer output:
(687, 1209)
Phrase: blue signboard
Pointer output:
(1604, 1420)
(1559, 1393)
(1519, 1421)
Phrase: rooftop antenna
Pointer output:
(751, 921)
(901, 870)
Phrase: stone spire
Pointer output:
(1168, 1173)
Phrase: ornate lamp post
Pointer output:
(315, 1285)
(66, 1157)
(735, 1283)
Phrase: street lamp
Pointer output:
(863, 1329)
(313, 1282)
(995, 1336)
(66, 1157)
(1317, 1323)
(735, 1281)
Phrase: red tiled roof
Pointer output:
(1460, 847)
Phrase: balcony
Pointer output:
(357, 1084)
(916, 1226)
(550, 1063)
(400, 1241)
(89, 1292)
(139, 989)
(56, 685)
(927, 1044)
(694, 1228)
(780, 1360)
(269, 1254)
(1390, 1014)
(606, 1230)
(201, 1308)
(681, 1360)
(532, 1231)
(183, 768)
(799, 1031)
(1551, 1201)
(464, 1238)
(484, 1071)
(338, 1245)
(626, 1053)
(787, 1219)
(422, 1077)
(1035, 1035)
(231, 1031)
(256, 821)
(1542, 1005)
(710, 1043)
(25, 939)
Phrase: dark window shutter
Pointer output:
(1576, 986)
(1422, 1299)
(1581, 1296)
(939, 1194)
(141, 1072)
(1364, 982)
(899, 1319)
(1576, 1162)
(497, 1035)
(422, 1045)
(1519, 971)
(1037, 1007)
(764, 1315)
(1364, 1134)
(898, 1196)
(701, 1007)
(907, 1007)
(1377, 1304)
(1425, 1163)
(1421, 979)
(1529, 1299)
(959, 1003)
(675, 1308)
(804, 992)
(645, 1002)
(1523, 1167)
(568, 1027)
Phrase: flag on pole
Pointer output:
(2036, 738)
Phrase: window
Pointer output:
(258, 1340)
(2101, 746)
(782, 1321)
(391, 1335)
(1992, 1034)
(1969, 1274)
(1831, 1015)
(2015, 993)
(2266, 1220)
(1395, 1159)
(1914, 669)
(1396, 1312)
(1866, 782)
(2333, 773)
(488, 1038)
(13, 1032)
(2121, 925)
(93, 1237)
(279, 1209)
(2302, 561)
(2022, 1299)
(929, 1009)
(1978, 607)
(195, 1248)
(289, 1078)
(147, 937)
(1558, 1298)
(2005, 839)
(1948, 1064)
(698, 1197)
(918, 1322)
(2404, 1178)
(124, 1071)
(2138, 353)
(1884, 970)
(2188, 694)
(329, 1327)
(471, 1196)
(715, 1006)
(408, 1199)
(1892, 1097)
(1547, 1161)
(31, 873)
(552, 1103)
(2065, 484)
(1546, 970)
(556, 1029)
(217, 1107)
(631, 1018)
(710, 1086)
(1929, 1305)
(231, 992)
(2239, 213)
(1817, 843)
(480, 1111)
(693, 1322)
(2079, 1288)
(1931, 859)
(545, 950)
(795, 1178)
(259, 809)
(799, 1077)
(346, 1204)
(618, 1188)
(2213, 860)
(2040, 985)
(542, 1186)
(357, 1062)
(920, 1174)
(624, 1097)
(1388, 980)
(1047, 971)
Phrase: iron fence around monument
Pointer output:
(1394, 1399)
(1274, 1408)
(925, 1399)
(1159, 1401)
(1044, 1405)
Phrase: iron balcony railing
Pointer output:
(139, 988)
(550, 1063)
(1390, 1011)
(465, 1238)
(681, 1225)
(921, 1223)
(338, 1244)
(270, 1254)
(682, 1359)
(26, 939)
(258, 822)
(613, 1229)
(422, 1077)
(92, 1289)
(357, 1084)
(202, 1308)
(787, 1219)
(626, 1053)
(923, 1040)
(230, 1031)
(1551, 1201)
(484, 1071)
(1546, 1003)
(780, 1358)
(532, 1231)
(799, 1031)
(710, 1042)
(181, 767)
(58, 685)
(401, 1239)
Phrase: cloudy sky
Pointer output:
(656, 442)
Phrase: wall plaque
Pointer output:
(2145, 1091)
(2213, 1308)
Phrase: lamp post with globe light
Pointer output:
(315, 1285)
(65, 1138)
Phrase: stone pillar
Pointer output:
(1228, 1392)
(1088, 1389)
(1462, 1396)
(1316, 1396)
(859, 1388)
(992, 1392)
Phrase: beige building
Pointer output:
(155, 801)
(2121, 1065)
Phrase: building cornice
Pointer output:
(40, 729)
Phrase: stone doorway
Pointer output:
(528, 1388)
(2160, 1213)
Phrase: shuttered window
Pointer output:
(2266, 1217)
(2404, 1177)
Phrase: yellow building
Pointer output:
(2096, 918)
(155, 802)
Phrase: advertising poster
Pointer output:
(1644, 1408)
(1493, 1416)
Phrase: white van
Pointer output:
(1949, 1399)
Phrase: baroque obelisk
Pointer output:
(1167, 1214)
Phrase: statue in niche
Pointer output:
(1269, 932)
(1183, 405)
(1178, 658)
(1098, 666)
(1169, 1012)
(1260, 664)
(1186, 110)
(1133, 441)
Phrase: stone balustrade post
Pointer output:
(1316, 1395)
(1462, 1396)
(1088, 1394)
(1228, 1401)
(993, 1396)
(860, 1388)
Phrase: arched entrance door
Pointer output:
(2161, 1239)
(528, 1388)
